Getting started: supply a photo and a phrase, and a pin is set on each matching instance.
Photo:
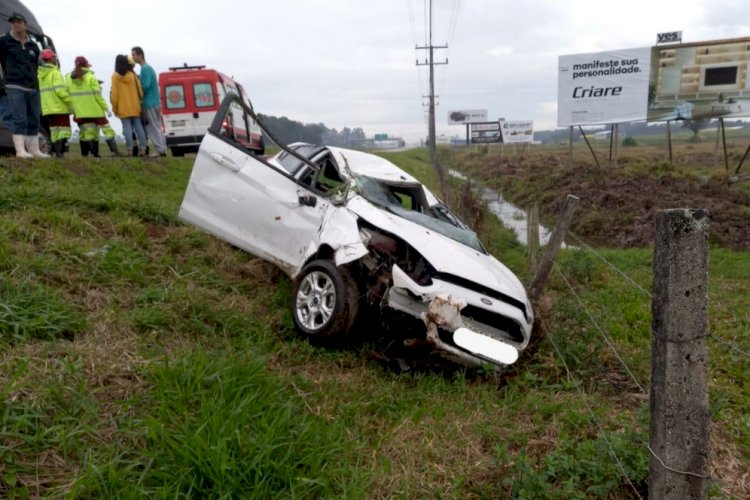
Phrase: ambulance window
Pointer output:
(175, 96)
(204, 95)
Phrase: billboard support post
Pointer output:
(611, 142)
(724, 141)
(467, 134)
(593, 153)
(570, 146)
(617, 142)
(669, 141)
(716, 144)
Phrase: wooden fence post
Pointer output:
(553, 246)
(678, 441)
(532, 236)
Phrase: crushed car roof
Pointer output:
(373, 166)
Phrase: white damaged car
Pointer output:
(353, 231)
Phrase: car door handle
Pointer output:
(225, 162)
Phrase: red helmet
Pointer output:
(47, 55)
(82, 62)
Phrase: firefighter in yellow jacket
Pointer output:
(90, 109)
(56, 102)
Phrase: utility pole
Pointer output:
(433, 146)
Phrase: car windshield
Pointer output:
(408, 201)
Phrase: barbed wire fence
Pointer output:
(643, 289)
(568, 287)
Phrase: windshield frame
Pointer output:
(429, 215)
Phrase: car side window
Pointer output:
(236, 126)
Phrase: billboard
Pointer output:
(517, 131)
(603, 87)
(700, 80)
(467, 116)
(485, 133)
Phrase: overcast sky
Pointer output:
(352, 62)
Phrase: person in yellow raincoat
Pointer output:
(56, 102)
(89, 109)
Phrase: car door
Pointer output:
(243, 199)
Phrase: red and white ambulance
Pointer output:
(190, 97)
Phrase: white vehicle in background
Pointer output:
(356, 232)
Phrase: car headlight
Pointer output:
(389, 249)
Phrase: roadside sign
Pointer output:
(484, 133)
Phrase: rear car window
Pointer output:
(204, 95)
(175, 96)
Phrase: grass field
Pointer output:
(140, 357)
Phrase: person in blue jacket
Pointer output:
(151, 103)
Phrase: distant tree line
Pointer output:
(635, 129)
(288, 131)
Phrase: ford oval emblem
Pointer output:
(486, 301)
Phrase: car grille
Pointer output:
(497, 321)
(489, 292)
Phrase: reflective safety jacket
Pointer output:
(54, 91)
(86, 94)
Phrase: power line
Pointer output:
(454, 18)
(412, 24)
(431, 63)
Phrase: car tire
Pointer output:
(325, 300)
(177, 152)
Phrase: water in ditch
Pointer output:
(510, 215)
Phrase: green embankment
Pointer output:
(140, 357)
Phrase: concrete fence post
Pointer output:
(678, 441)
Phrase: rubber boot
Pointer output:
(32, 146)
(19, 143)
(112, 143)
(85, 148)
(95, 148)
(59, 148)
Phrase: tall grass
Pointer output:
(221, 426)
(33, 311)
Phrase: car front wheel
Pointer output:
(324, 300)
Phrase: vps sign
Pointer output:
(669, 37)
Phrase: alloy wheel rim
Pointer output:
(316, 300)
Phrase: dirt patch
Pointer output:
(619, 205)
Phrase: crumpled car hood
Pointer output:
(444, 254)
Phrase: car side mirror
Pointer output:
(307, 200)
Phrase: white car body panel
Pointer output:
(445, 254)
(262, 208)
(256, 208)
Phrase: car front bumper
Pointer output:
(464, 339)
